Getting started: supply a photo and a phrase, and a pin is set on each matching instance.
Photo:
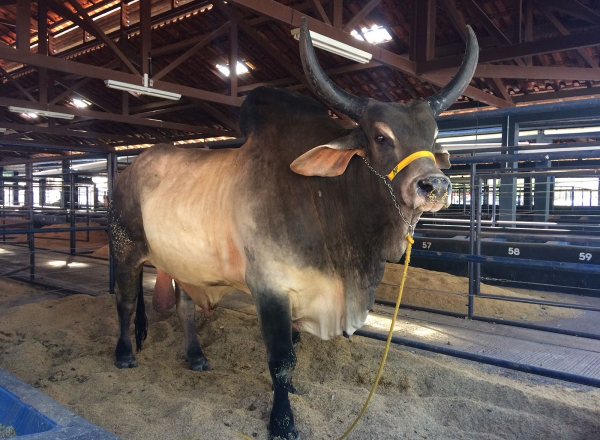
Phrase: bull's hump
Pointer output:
(266, 107)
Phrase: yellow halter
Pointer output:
(408, 159)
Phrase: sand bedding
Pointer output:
(61, 240)
(65, 348)
(442, 291)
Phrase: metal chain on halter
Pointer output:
(411, 226)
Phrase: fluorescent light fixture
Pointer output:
(375, 35)
(45, 113)
(104, 14)
(60, 34)
(133, 88)
(240, 69)
(336, 47)
(576, 130)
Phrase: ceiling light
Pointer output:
(375, 35)
(240, 68)
(80, 103)
(60, 34)
(104, 14)
(30, 112)
(133, 88)
(336, 47)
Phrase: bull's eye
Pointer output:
(380, 139)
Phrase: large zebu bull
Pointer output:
(298, 217)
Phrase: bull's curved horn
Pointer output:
(446, 97)
(327, 90)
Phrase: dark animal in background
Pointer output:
(295, 217)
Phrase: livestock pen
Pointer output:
(510, 319)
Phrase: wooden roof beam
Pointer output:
(99, 33)
(221, 30)
(564, 31)
(68, 66)
(549, 45)
(527, 72)
(573, 8)
(320, 11)
(16, 84)
(486, 22)
(125, 119)
(61, 131)
(366, 10)
(289, 16)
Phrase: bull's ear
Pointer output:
(328, 160)
(442, 158)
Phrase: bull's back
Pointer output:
(187, 207)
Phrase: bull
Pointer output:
(302, 216)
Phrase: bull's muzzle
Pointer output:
(435, 191)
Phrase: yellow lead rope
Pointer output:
(410, 241)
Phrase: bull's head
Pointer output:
(388, 133)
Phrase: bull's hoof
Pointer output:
(199, 364)
(128, 362)
(292, 435)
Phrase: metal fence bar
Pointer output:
(575, 378)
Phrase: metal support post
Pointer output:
(42, 192)
(15, 190)
(72, 211)
(543, 187)
(471, 265)
(2, 186)
(477, 286)
(29, 205)
(111, 172)
(508, 185)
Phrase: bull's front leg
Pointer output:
(275, 318)
(186, 311)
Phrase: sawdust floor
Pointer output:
(64, 346)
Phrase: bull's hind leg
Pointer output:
(186, 311)
(128, 292)
(275, 318)
(128, 250)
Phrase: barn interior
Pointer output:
(507, 276)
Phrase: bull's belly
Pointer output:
(194, 260)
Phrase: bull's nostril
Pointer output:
(425, 186)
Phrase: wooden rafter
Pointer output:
(289, 16)
(549, 45)
(528, 72)
(89, 25)
(221, 30)
(61, 131)
(320, 11)
(563, 30)
(366, 10)
(573, 8)
(16, 84)
(125, 119)
(68, 66)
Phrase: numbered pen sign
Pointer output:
(514, 251)
(585, 256)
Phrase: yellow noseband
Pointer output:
(407, 160)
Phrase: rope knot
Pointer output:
(409, 239)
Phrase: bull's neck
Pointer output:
(379, 213)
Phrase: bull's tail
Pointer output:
(141, 320)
